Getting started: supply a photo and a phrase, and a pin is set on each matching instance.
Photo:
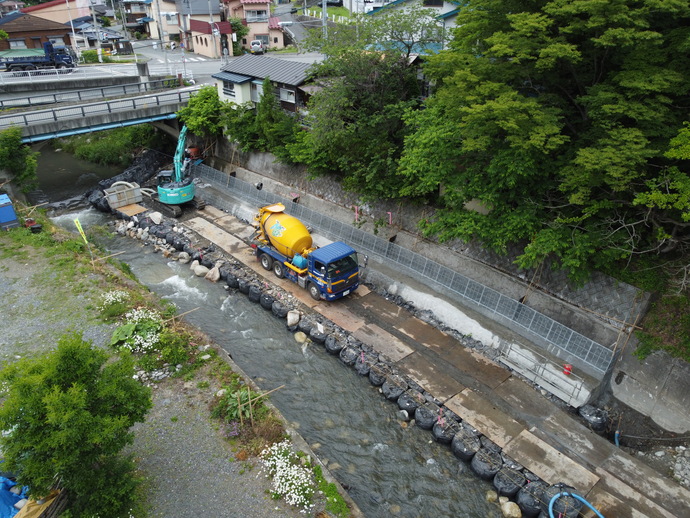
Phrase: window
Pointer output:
(229, 89)
(18, 44)
(55, 40)
(257, 16)
(262, 38)
(287, 95)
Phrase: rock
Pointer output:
(404, 415)
(491, 496)
(292, 317)
(156, 218)
(184, 257)
(213, 274)
(300, 337)
(206, 357)
(659, 453)
(511, 510)
(200, 270)
(194, 264)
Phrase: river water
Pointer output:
(391, 470)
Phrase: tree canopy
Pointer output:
(565, 121)
(18, 159)
(67, 416)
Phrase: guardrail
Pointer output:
(89, 94)
(131, 104)
(87, 72)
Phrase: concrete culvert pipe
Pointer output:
(486, 463)
(529, 498)
(508, 481)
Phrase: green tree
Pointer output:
(355, 123)
(67, 416)
(241, 30)
(274, 127)
(3, 35)
(18, 159)
(558, 118)
(204, 114)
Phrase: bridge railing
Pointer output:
(89, 93)
(129, 104)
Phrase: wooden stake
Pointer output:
(181, 315)
(251, 414)
(239, 408)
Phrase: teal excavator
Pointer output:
(175, 187)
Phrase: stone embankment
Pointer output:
(521, 492)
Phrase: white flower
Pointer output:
(291, 480)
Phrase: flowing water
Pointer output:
(62, 176)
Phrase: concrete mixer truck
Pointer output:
(284, 245)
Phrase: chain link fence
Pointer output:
(487, 301)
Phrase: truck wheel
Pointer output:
(314, 291)
(266, 261)
(278, 269)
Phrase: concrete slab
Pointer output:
(633, 499)
(527, 404)
(383, 342)
(609, 505)
(484, 416)
(549, 463)
(431, 376)
(220, 237)
(639, 479)
(588, 448)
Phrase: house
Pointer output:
(241, 80)
(256, 15)
(61, 11)
(26, 31)
(9, 6)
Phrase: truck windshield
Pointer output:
(346, 264)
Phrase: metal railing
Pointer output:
(508, 311)
(129, 104)
(89, 94)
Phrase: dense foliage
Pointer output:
(68, 415)
(18, 159)
(112, 147)
(565, 121)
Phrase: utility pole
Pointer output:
(213, 31)
(98, 32)
(74, 34)
(324, 19)
(159, 25)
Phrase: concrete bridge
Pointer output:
(38, 125)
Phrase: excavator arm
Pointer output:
(179, 159)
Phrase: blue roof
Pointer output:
(233, 78)
(145, 19)
(332, 252)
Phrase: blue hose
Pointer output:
(616, 438)
(576, 497)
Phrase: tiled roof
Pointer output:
(279, 70)
(274, 22)
(22, 22)
(254, 2)
(44, 5)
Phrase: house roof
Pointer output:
(204, 26)
(265, 2)
(38, 7)
(233, 78)
(279, 70)
(22, 22)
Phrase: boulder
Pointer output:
(213, 275)
(200, 270)
(293, 318)
(156, 218)
(510, 510)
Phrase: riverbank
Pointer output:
(187, 466)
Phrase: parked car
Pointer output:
(257, 47)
